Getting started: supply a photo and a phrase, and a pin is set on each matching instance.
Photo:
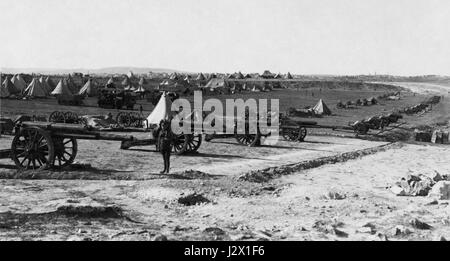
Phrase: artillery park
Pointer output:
(323, 179)
(359, 156)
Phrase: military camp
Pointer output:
(233, 121)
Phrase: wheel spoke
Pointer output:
(43, 159)
(20, 155)
(39, 161)
(21, 163)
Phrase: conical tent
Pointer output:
(140, 89)
(126, 81)
(87, 89)
(239, 75)
(71, 84)
(201, 77)
(10, 87)
(45, 86)
(35, 89)
(19, 82)
(129, 88)
(174, 76)
(61, 90)
(289, 76)
(321, 108)
(110, 81)
(50, 83)
(216, 84)
(4, 93)
(162, 110)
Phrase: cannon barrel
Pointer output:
(75, 131)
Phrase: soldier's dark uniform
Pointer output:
(165, 146)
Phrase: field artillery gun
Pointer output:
(182, 143)
(375, 122)
(391, 118)
(43, 145)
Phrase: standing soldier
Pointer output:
(165, 146)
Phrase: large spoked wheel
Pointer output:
(32, 148)
(180, 144)
(123, 119)
(65, 151)
(290, 134)
(193, 142)
(57, 117)
(71, 117)
(250, 140)
(302, 134)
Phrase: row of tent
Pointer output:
(17, 86)
(66, 87)
(39, 88)
(238, 75)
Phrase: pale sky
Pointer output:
(402, 37)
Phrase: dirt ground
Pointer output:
(113, 194)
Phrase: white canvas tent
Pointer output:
(321, 108)
(45, 85)
(61, 90)
(35, 89)
(10, 87)
(87, 89)
(4, 93)
(50, 83)
(140, 89)
(19, 82)
(161, 110)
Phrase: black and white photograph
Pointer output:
(238, 121)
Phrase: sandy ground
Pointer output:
(218, 157)
(296, 206)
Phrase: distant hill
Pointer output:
(108, 70)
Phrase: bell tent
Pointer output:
(35, 89)
(162, 110)
(321, 108)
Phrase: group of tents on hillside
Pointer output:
(40, 88)
(16, 86)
